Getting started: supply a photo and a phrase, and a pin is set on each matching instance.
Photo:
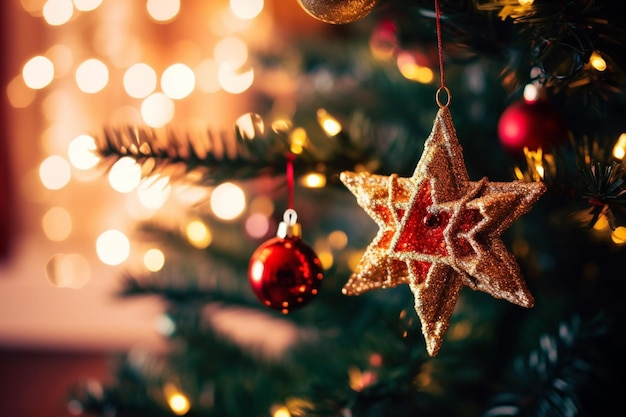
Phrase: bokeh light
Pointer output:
(263, 205)
(58, 12)
(411, 69)
(125, 175)
(140, 80)
(257, 225)
(57, 224)
(157, 110)
(87, 5)
(227, 201)
(62, 59)
(55, 172)
(153, 192)
(82, 152)
(178, 81)
(235, 81)
(619, 150)
(597, 62)
(68, 270)
(337, 239)
(331, 126)
(232, 51)
(19, 94)
(92, 76)
(207, 76)
(198, 234)
(38, 72)
(112, 247)
(313, 180)
(178, 403)
(246, 9)
(281, 411)
(163, 10)
(154, 259)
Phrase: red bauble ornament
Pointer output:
(532, 125)
(284, 272)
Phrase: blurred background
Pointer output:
(70, 68)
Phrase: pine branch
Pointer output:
(555, 377)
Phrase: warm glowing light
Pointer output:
(531, 93)
(281, 412)
(57, 224)
(232, 51)
(54, 172)
(619, 150)
(82, 152)
(19, 94)
(250, 125)
(526, 2)
(68, 270)
(331, 126)
(112, 247)
(179, 404)
(198, 234)
(337, 239)
(163, 10)
(153, 260)
(233, 81)
(601, 224)
(92, 76)
(33, 6)
(154, 192)
(62, 59)
(58, 12)
(410, 68)
(246, 9)
(38, 72)
(178, 81)
(414, 72)
(207, 76)
(125, 175)
(227, 201)
(165, 325)
(297, 140)
(619, 235)
(597, 62)
(314, 180)
(257, 225)
(263, 205)
(87, 5)
(157, 110)
(326, 259)
(140, 80)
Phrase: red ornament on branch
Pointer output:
(531, 124)
(284, 272)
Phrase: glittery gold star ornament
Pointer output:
(439, 231)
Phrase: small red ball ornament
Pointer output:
(532, 125)
(284, 272)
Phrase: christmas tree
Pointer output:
(534, 94)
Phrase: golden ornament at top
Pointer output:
(338, 11)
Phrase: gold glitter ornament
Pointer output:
(338, 11)
(439, 231)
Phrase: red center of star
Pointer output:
(423, 229)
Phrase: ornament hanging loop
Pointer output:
(438, 97)
(289, 227)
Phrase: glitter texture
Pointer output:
(439, 231)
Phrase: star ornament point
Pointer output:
(439, 231)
